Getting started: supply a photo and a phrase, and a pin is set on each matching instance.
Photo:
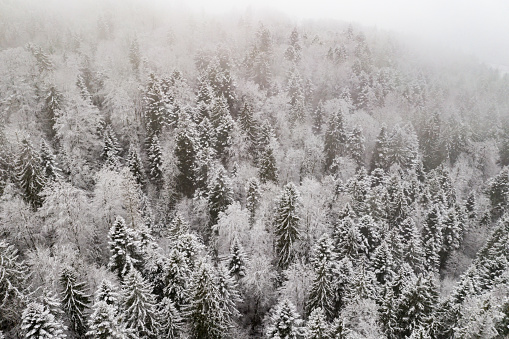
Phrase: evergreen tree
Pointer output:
(348, 239)
(39, 323)
(107, 292)
(111, 149)
(155, 106)
(253, 196)
(49, 168)
(185, 152)
(249, 125)
(498, 191)
(318, 119)
(404, 146)
(285, 322)
(177, 279)
(286, 224)
(74, 300)
(431, 142)
(171, 322)
(104, 323)
(237, 261)
(432, 237)
(339, 329)
(470, 206)
(30, 174)
(383, 264)
(178, 226)
(136, 166)
(268, 168)
(52, 103)
(125, 252)
(335, 142)
(220, 195)
(452, 235)
(223, 125)
(355, 144)
(317, 327)
(413, 252)
(134, 54)
(381, 153)
(139, 307)
(155, 158)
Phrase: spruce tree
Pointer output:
(185, 151)
(432, 237)
(220, 195)
(339, 329)
(155, 158)
(134, 54)
(348, 239)
(253, 196)
(171, 322)
(111, 149)
(267, 163)
(318, 119)
(177, 279)
(249, 125)
(38, 323)
(125, 252)
(383, 264)
(104, 323)
(381, 153)
(355, 146)
(451, 235)
(317, 326)
(107, 292)
(286, 224)
(285, 322)
(155, 109)
(136, 166)
(498, 191)
(75, 300)
(177, 227)
(52, 103)
(49, 168)
(335, 139)
(237, 260)
(30, 174)
(139, 306)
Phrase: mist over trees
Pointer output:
(168, 174)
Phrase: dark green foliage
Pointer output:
(220, 195)
(186, 152)
(49, 167)
(286, 224)
(136, 166)
(237, 261)
(30, 174)
(75, 300)
(253, 195)
(125, 251)
(155, 158)
(335, 139)
(268, 168)
(381, 153)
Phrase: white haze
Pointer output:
(478, 28)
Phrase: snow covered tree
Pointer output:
(52, 103)
(432, 237)
(287, 224)
(318, 119)
(107, 292)
(249, 125)
(177, 279)
(111, 149)
(223, 125)
(383, 264)
(284, 322)
(136, 166)
(339, 329)
(125, 252)
(39, 323)
(155, 158)
(267, 163)
(452, 234)
(139, 306)
(498, 191)
(317, 326)
(335, 143)
(104, 323)
(348, 239)
(355, 146)
(253, 196)
(185, 151)
(220, 195)
(381, 152)
(30, 173)
(134, 54)
(49, 167)
(237, 261)
(75, 300)
(171, 322)
(403, 146)
(155, 106)
(434, 149)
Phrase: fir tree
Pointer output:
(134, 54)
(237, 261)
(253, 196)
(171, 322)
(139, 307)
(177, 279)
(155, 158)
(381, 156)
(52, 103)
(431, 142)
(220, 195)
(348, 239)
(286, 224)
(185, 152)
(136, 166)
(318, 119)
(498, 192)
(30, 174)
(335, 139)
(339, 329)
(125, 252)
(49, 168)
(285, 322)
(432, 237)
(223, 125)
(178, 226)
(74, 300)
(155, 108)
(39, 323)
(451, 234)
(111, 149)
(104, 323)
(355, 145)
(470, 206)
(107, 292)
(267, 162)
(249, 125)
(317, 327)
(383, 264)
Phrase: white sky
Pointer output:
(476, 27)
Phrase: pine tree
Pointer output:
(111, 149)
(171, 322)
(451, 235)
(249, 125)
(49, 168)
(383, 264)
(285, 322)
(39, 323)
(30, 174)
(139, 307)
(177, 279)
(223, 125)
(355, 145)
(431, 142)
(432, 237)
(107, 292)
(381, 153)
(286, 224)
(228, 293)
(253, 196)
(268, 168)
(335, 139)
(125, 252)
(136, 166)
(348, 239)
(185, 152)
(104, 323)
(404, 146)
(318, 119)
(155, 106)
(220, 195)
(52, 103)
(155, 158)
(317, 327)
(134, 54)
(237, 261)
(339, 329)
(498, 192)
(413, 252)
(74, 300)
(470, 206)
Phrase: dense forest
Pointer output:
(172, 174)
